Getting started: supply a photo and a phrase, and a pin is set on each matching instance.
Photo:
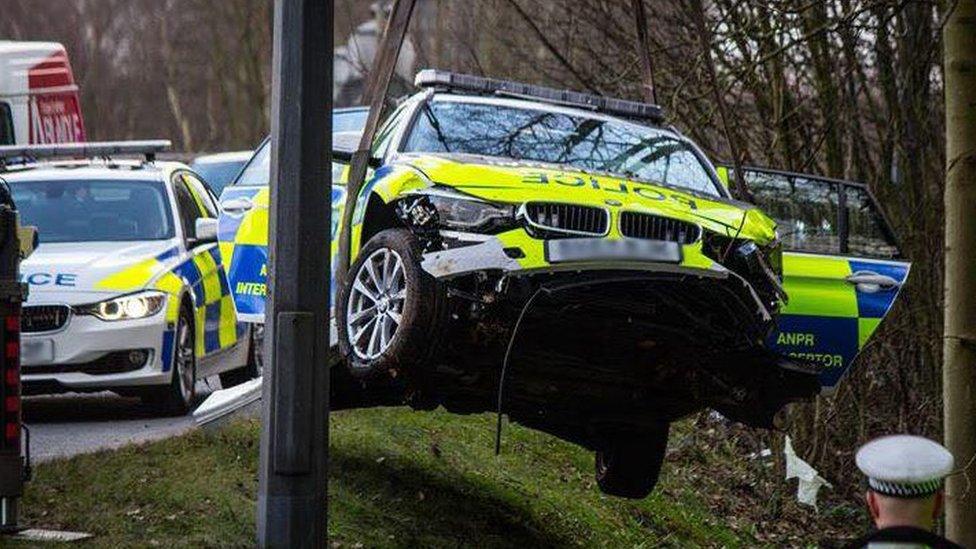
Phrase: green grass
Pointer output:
(397, 478)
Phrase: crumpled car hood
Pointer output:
(509, 181)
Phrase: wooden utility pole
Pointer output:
(739, 188)
(959, 345)
(292, 477)
(644, 51)
(377, 84)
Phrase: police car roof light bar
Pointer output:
(93, 149)
(433, 78)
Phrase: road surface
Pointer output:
(70, 424)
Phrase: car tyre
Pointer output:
(177, 397)
(254, 367)
(387, 313)
(628, 465)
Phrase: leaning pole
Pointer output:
(295, 424)
(959, 344)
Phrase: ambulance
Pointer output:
(39, 101)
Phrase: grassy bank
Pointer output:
(403, 478)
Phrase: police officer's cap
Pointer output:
(904, 466)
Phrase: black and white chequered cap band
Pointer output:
(904, 466)
(905, 490)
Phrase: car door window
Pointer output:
(867, 233)
(6, 125)
(189, 211)
(257, 171)
(200, 189)
(806, 210)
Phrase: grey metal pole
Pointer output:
(292, 486)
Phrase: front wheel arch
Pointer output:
(421, 317)
(170, 398)
(377, 217)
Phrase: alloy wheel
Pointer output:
(376, 301)
(184, 360)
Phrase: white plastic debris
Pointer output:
(225, 402)
(762, 454)
(39, 534)
(810, 481)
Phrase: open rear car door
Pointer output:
(842, 267)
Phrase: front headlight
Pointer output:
(127, 307)
(453, 210)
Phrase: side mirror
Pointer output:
(206, 230)
(343, 156)
(344, 145)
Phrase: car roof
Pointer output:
(229, 156)
(128, 170)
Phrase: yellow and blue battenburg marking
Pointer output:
(828, 320)
(244, 244)
(200, 274)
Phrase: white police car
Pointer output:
(127, 289)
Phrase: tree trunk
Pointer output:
(959, 371)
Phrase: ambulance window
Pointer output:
(6, 125)
(867, 233)
(806, 210)
(201, 190)
(189, 211)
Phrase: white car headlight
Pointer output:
(127, 307)
(454, 210)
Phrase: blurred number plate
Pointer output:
(36, 351)
(598, 249)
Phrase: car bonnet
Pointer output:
(511, 181)
(79, 272)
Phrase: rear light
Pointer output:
(10, 384)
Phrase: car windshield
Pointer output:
(613, 146)
(258, 170)
(94, 210)
(218, 174)
(349, 120)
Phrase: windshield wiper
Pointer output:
(429, 113)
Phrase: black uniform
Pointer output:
(907, 535)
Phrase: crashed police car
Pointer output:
(127, 291)
(565, 259)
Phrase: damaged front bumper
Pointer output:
(515, 253)
(611, 340)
